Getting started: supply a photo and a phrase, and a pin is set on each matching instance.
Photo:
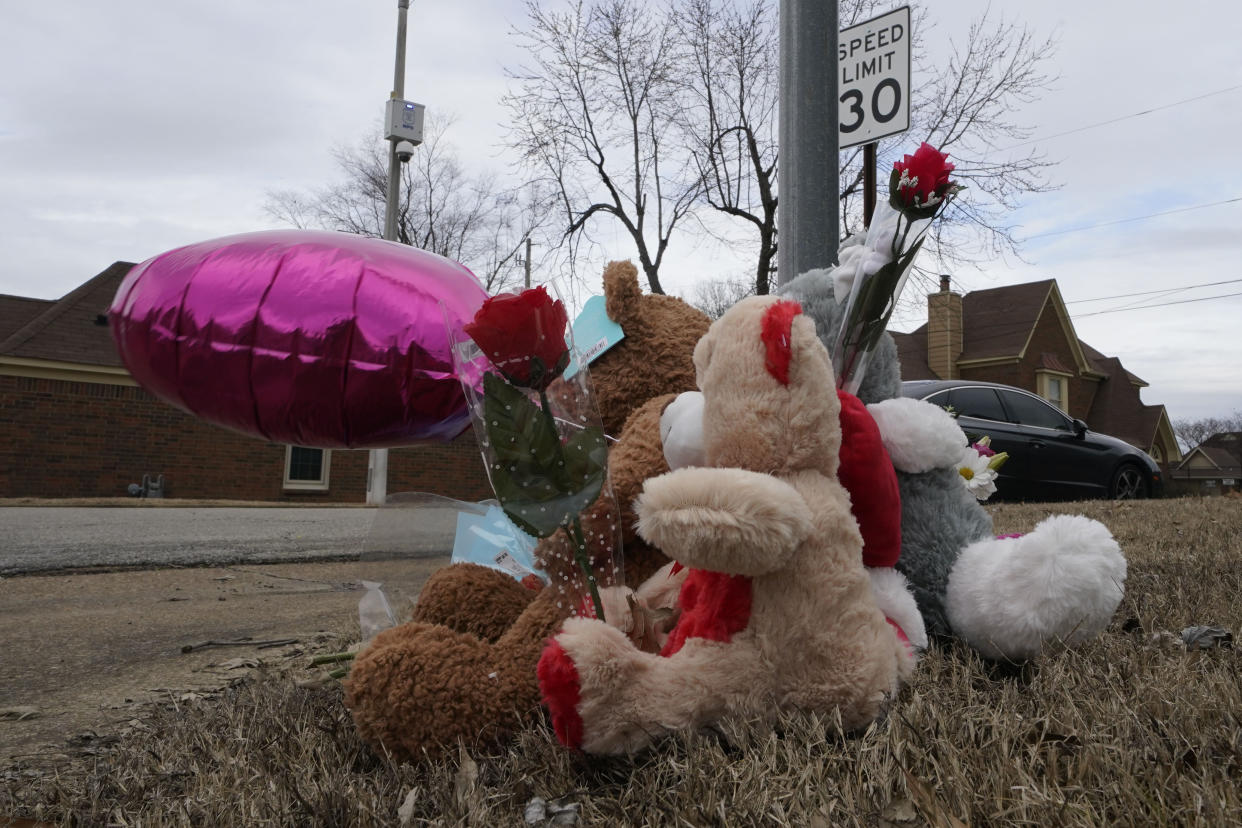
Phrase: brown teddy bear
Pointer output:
(464, 666)
(777, 611)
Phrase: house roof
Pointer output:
(1219, 457)
(1050, 362)
(1117, 408)
(1224, 448)
(68, 329)
(997, 322)
(16, 311)
(1223, 451)
(1095, 358)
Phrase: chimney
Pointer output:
(944, 330)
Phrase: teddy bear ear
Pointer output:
(776, 331)
(621, 292)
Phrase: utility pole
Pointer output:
(377, 460)
(808, 217)
(394, 165)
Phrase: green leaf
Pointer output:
(586, 461)
(518, 430)
(541, 484)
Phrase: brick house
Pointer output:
(73, 423)
(1214, 466)
(1022, 335)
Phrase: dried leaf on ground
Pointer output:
(405, 813)
(466, 781)
(929, 804)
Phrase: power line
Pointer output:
(987, 332)
(1161, 305)
(1150, 292)
(1134, 218)
(1120, 118)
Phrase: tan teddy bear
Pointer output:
(776, 611)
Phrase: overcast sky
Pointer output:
(132, 127)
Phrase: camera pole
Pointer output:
(377, 459)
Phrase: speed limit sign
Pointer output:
(874, 85)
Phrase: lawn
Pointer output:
(1132, 728)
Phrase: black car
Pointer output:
(1051, 455)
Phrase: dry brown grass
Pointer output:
(1129, 729)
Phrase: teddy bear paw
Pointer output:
(586, 678)
(561, 691)
(1008, 596)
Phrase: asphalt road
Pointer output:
(36, 539)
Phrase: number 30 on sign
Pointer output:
(874, 80)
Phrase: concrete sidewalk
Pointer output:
(83, 651)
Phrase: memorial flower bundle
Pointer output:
(545, 464)
(919, 188)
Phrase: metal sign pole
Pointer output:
(868, 182)
(807, 181)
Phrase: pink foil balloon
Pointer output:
(307, 337)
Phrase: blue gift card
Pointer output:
(493, 540)
(594, 333)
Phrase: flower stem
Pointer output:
(574, 528)
(575, 533)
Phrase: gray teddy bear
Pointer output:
(1006, 597)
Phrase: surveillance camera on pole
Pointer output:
(403, 121)
(405, 151)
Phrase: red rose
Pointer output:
(921, 180)
(524, 336)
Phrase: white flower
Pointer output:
(979, 478)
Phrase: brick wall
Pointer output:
(450, 469)
(1007, 373)
(74, 439)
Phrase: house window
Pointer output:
(1055, 389)
(306, 469)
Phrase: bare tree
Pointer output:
(966, 107)
(593, 116)
(730, 92)
(1191, 433)
(729, 49)
(441, 207)
(716, 297)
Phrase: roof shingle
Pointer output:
(16, 311)
(68, 329)
(998, 321)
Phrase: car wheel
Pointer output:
(1128, 483)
